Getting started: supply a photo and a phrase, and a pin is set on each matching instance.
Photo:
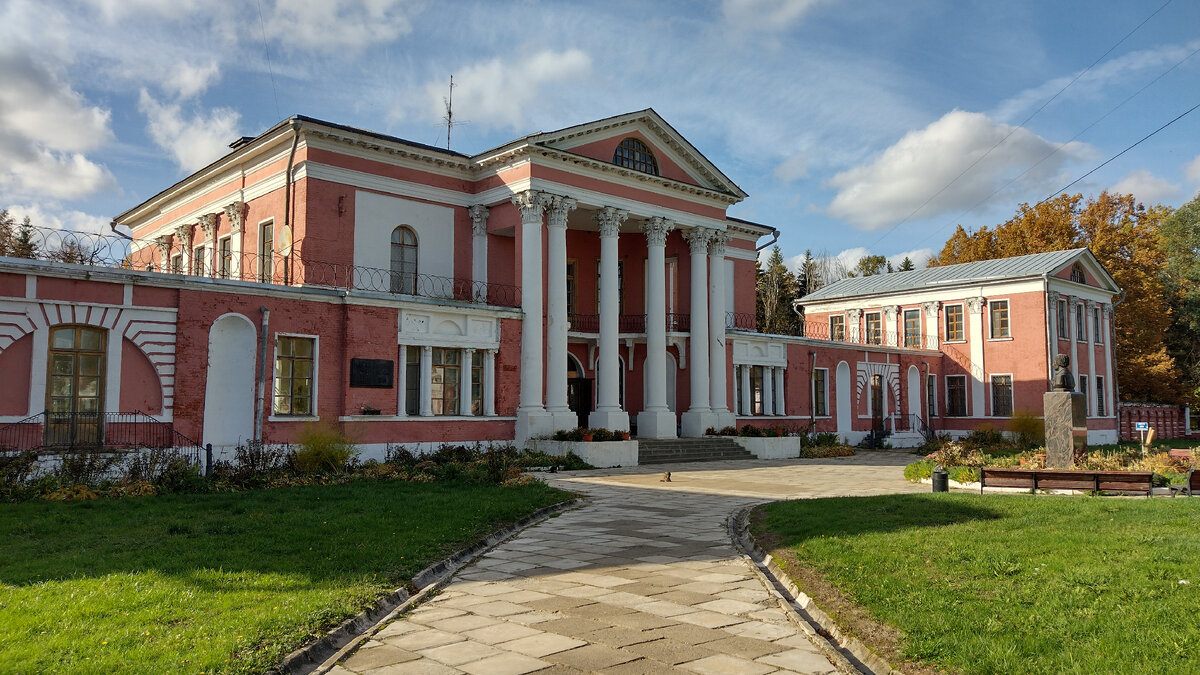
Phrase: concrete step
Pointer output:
(677, 450)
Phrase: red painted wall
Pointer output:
(16, 364)
(140, 386)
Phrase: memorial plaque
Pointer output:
(374, 373)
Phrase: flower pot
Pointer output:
(587, 438)
(624, 435)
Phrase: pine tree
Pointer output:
(23, 245)
(906, 265)
(776, 289)
(6, 232)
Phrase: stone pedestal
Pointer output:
(1066, 428)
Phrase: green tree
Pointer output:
(23, 244)
(776, 288)
(870, 265)
(1179, 241)
(906, 265)
(6, 232)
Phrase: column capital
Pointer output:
(1073, 300)
(532, 204)
(236, 213)
(469, 350)
(890, 311)
(208, 223)
(479, 216)
(716, 247)
(854, 314)
(697, 239)
(931, 307)
(428, 349)
(559, 208)
(1107, 308)
(184, 234)
(609, 219)
(975, 305)
(1091, 304)
(163, 242)
(1052, 296)
(656, 230)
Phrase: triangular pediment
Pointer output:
(679, 159)
(1094, 272)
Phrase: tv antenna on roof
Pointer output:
(448, 118)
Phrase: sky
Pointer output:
(868, 126)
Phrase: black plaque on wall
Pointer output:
(376, 373)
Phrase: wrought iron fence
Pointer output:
(56, 432)
(741, 321)
(820, 330)
(679, 323)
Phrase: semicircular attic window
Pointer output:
(633, 154)
(1077, 273)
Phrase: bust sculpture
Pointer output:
(1063, 379)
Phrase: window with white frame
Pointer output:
(912, 328)
(956, 395)
(444, 381)
(1080, 324)
(931, 396)
(177, 263)
(412, 381)
(224, 256)
(1002, 396)
(266, 251)
(1097, 335)
(198, 258)
(837, 328)
(1100, 406)
(1062, 320)
(821, 392)
(295, 372)
(1083, 389)
(955, 329)
(404, 260)
(874, 328)
(999, 318)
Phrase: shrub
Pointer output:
(922, 468)
(824, 451)
(568, 435)
(399, 455)
(825, 439)
(17, 470)
(750, 431)
(964, 474)
(1029, 429)
(86, 467)
(453, 454)
(323, 450)
(959, 454)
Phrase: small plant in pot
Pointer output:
(588, 435)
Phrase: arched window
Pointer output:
(1077, 273)
(404, 260)
(633, 154)
(75, 386)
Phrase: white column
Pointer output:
(556, 313)
(236, 213)
(975, 308)
(208, 223)
(183, 235)
(1052, 303)
(1110, 396)
(608, 413)
(425, 388)
(932, 329)
(699, 416)
(854, 326)
(889, 325)
(464, 382)
(401, 381)
(780, 408)
(163, 243)
(489, 383)
(1088, 328)
(479, 216)
(656, 420)
(532, 418)
(717, 364)
(747, 393)
(768, 391)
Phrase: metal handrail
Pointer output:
(55, 431)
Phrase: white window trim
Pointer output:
(1081, 322)
(201, 258)
(825, 380)
(920, 326)
(830, 318)
(946, 315)
(1008, 313)
(1097, 323)
(931, 406)
(1064, 311)
(315, 380)
(258, 268)
(216, 272)
(1099, 385)
(867, 331)
(171, 264)
(966, 397)
(1084, 388)
(1012, 394)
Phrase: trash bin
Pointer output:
(941, 479)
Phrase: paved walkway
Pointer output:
(642, 579)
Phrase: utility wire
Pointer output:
(1017, 127)
(262, 25)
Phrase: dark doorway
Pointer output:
(877, 403)
(579, 397)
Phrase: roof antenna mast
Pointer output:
(448, 118)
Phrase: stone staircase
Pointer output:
(674, 450)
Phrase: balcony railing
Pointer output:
(57, 432)
(819, 330)
(741, 321)
(629, 323)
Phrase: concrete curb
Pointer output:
(323, 654)
(846, 652)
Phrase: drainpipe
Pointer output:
(287, 192)
(774, 238)
(260, 376)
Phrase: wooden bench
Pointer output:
(1063, 479)
(1190, 487)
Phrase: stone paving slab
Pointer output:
(641, 579)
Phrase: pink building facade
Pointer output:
(413, 295)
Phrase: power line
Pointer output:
(1017, 127)
(267, 52)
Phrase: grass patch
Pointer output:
(222, 582)
(1001, 583)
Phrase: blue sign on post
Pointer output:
(1141, 426)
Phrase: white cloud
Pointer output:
(792, 169)
(918, 256)
(37, 172)
(186, 80)
(338, 25)
(1146, 187)
(52, 217)
(926, 165)
(502, 95)
(194, 141)
(767, 15)
(1192, 170)
(115, 10)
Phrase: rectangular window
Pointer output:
(821, 392)
(266, 252)
(737, 390)
(444, 380)
(756, 389)
(1062, 320)
(931, 396)
(412, 381)
(954, 323)
(874, 328)
(477, 384)
(199, 256)
(1080, 324)
(1083, 389)
(224, 257)
(572, 266)
(1002, 396)
(1097, 335)
(177, 263)
(999, 314)
(1100, 396)
(956, 395)
(837, 328)
(912, 328)
(294, 361)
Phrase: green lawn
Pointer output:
(221, 582)
(1003, 583)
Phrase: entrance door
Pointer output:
(75, 387)
(229, 385)
(579, 397)
(877, 403)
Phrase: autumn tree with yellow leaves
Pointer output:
(1124, 236)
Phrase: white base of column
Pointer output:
(695, 422)
(656, 424)
(724, 419)
(532, 423)
(564, 420)
(613, 420)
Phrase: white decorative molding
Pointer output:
(697, 239)
(609, 219)
(479, 216)
(443, 327)
(656, 230)
(759, 352)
